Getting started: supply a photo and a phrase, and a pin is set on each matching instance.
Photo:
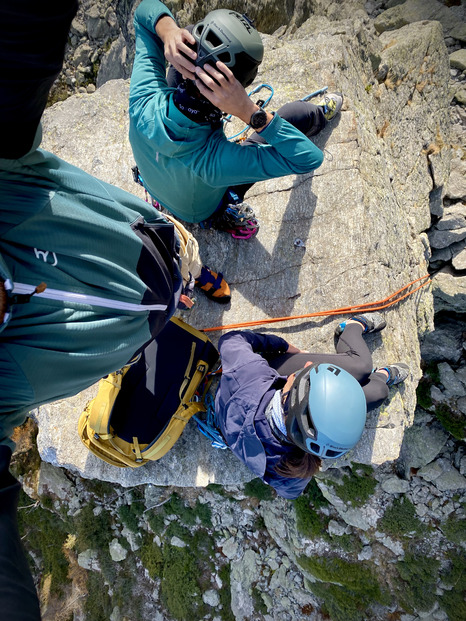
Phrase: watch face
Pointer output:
(258, 119)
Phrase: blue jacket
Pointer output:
(246, 387)
(186, 166)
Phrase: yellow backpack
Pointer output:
(141, 410)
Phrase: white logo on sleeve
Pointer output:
(44, 255)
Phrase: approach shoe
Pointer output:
(397, 373)
(371, 322)
(331, 103)
(237, 219)
(214, 285)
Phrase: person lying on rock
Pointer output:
(89, 274)
(282, 410)
(184, 158)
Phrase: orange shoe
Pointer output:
(214, 286)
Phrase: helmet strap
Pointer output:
(275, 417)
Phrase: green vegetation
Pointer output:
(357, 487)
(453, 602)
(92, 531)
(225, 594)
(309, 521)
(216, 488)
(44, 534)
(454, 529)
(258, 489)
(179, 589)
(415, 589)
(184, 572)
(151, 557)
(346, 588)
(351, 544)
(156, 522)
(188, 515)
(454, 422)
(175, 529)
(424, 400)
(130, 514)
(98, 606)
(400, 519)
(431, 376)
(258, 602)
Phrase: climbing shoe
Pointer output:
(214, 286)
(331, 104)
(371, 322)
(237, 219)
(397, 373)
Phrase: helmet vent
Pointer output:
(213, 39)
(315, 448)
(331, 453)
(224, 57)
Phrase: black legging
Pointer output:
(32, 43)
(305, 116)
(352, 355)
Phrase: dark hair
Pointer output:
(298, 465)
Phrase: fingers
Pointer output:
(211, 77)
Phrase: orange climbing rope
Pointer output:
(392, 299)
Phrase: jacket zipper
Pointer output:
(82, 298)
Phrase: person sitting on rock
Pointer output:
(184, 158)
(281, 410)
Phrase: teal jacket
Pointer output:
(110, 264)
(186, 166)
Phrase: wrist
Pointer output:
(164, 25)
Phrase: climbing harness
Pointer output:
(138, 179)
(391, 300)
(208, 426)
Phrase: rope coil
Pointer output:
(392, 299)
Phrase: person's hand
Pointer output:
(294, 350)
(176, 49)
(223, 90)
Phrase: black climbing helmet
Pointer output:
(231, 38)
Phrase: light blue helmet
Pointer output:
(326, 411)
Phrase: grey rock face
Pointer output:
(394, 485)
(243, 574)
(446, 342)
(114, 63)
(359, 216)
(450, 229)
(458, 60)
(449, 291)
(117, 551)
(421, 445)
(416, 11)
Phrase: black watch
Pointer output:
(258, 119)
